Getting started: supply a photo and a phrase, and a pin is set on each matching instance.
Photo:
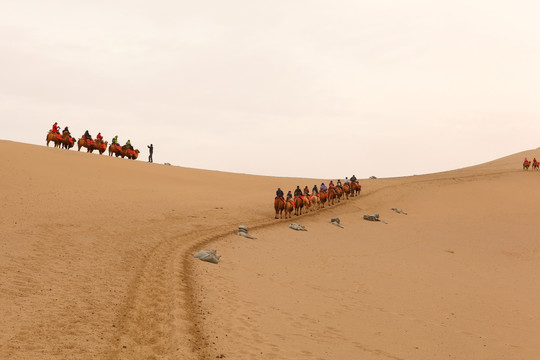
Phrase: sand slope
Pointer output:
(95, 263)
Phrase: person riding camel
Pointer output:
(99, 137)
(339, 184)
(56, 128)
(115, 140)
(297, 191)
(66, 130)
(289, 195)
(331, 185)
(346, 181)
(306, 191)
(323, 188)
(279, 194)
(525, 160)
(315, 191)
(128, 144)
(353, 179)
(534, 161)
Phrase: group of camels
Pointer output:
(527, 163)
(314, 202)
(66, 141)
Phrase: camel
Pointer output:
(98, 145)
(307, 202)
(355, 189)
(331, 195)
(84, 142)
(289, 206)
(322, 198)
(358, 189)
(298, 205)
(54, 137)
(129, 153)
(339, 193)
(346, 190)
(67, 141)
(526, 165)
(115, 149)
(279, 206)
(315, 201)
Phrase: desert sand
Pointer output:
(96, 263)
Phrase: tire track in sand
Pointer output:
(161, 316)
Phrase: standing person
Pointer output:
(151, 147)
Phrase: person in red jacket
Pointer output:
(56, 128)
(99, 137)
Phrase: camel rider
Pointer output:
(346, 181)
(115, 140)
(289, 195)
(534, 161)
(87, 135)
(323, 187)
(128, 144)
(315, 191)
(331, 185)
(66, 130)
(56, 128)
(525, 160)
(99, 137)
(279, 194)
(297, 191)
(339, 183)
(306, 191)
(353, 179)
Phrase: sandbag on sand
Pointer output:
(297, 227)
(336, 221)
(243, 231)
(208, 255)
(399, 211)
(374, 217)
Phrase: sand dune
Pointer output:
(96, 262)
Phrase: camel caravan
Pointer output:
(527, 164)
(306, 202)
(66, 141)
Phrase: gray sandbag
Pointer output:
(372, 217)
(336, 221)
(297, 227)
(399, 211)
(208, 255)
(243, 231)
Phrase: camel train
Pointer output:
(310, 202)
(528, 163)
(66, 141)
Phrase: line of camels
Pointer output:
(314, 202)
(66, 141)
(527, 163)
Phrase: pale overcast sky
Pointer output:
(319, 89)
